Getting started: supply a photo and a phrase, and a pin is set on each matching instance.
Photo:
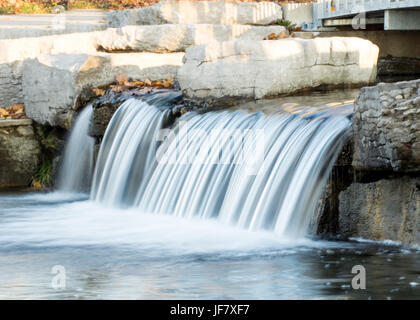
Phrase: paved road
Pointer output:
(35, 25)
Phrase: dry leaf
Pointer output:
(98, 92)
(36, 184)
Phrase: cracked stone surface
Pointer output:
(52, 84)
(258, 69)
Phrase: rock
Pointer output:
(298, 13)
(396, 66)
(178, 37)
(194, 12)
(388, 209)
(52, 84)
(386, 127)
(15, 51)
(103, 109)
(19, 153)
(340, 178)
(28, 48)
(11, 84)
(257, 69)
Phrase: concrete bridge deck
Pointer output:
(393, 14)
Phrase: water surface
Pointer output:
(112, 253)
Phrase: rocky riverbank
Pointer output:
(375, 192)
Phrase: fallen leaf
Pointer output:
(36, 184)
(98, 92)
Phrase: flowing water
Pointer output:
(215, 205)
(255, 170)
(77, 166)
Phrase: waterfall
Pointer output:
(77, 166)
(255, 170)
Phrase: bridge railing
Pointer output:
(340, 8)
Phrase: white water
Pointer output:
(254, 170)
(77, 166)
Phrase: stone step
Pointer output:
(257, 69)
(195, 12)
(178, 37)
(53, 83)
(157, 38)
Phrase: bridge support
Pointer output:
(408, 19)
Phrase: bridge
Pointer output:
(393, 14)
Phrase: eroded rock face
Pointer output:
(258, 69)
(20, 153)
(387, 127)
(178, 37)
(388, 209)
(52, 84)
(191, 12)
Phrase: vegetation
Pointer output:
(45, 6)
(287, 24)
(42, 179)
(48, 137)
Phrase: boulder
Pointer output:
(196, 12)
(15, 51)
(387, 127)
(20, 153)
(53, 84)
(178, 37)
(388, 209)
(257, 69)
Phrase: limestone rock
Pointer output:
(387, 127)
(11, 84)
(192, 12)
(28, 48)
(15, 51)
(178, 37)
(388, 209)
(298, 13)
(257, 69)
(52, 84)
(19, 153)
